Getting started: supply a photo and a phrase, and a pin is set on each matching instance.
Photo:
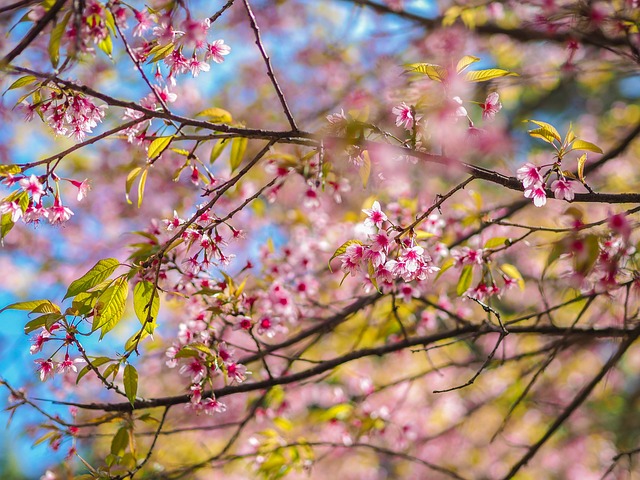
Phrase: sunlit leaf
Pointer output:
(464, 282)
(465, 61)
(581, 162)
(434, 72)
(21, 82)
(216, 115)
(584, 145)
(158, 146)
(145, 295)
(130, 381)
(238, 147)
(486, 75)
(55, 38)
(131, 177)
(110, 306)
(96, 275)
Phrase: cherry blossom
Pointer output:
(562, 189)
(405, 116)
(491, 106)
(217, 50)
(375, 216)
(536, 192)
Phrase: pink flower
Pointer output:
(83, 187)
(217, 50)
(337, 122)
(562, 189)
(537, 193)
(46, 368)
(529, 175)
(59, 213)
(405, 116)
(33, 187)
(491, 106)
(13, 208)
(196, 66)
(376, 217)
(211, 406)
(460, 111)
(68, 365)
(237, 372)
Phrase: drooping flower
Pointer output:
(537, 193)
(491, 106)
(13, 208)
(529, 175)
(59, 214)
(562, 188)
(46, 368)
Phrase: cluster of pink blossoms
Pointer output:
(191, 34)
(26, 203)
(67, 113)
(384, 261)
(535, 185)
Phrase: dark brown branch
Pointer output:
(576, 402)
(267, 61)
(32, 34)
(328, 365)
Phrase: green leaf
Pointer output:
(110, 306)
(97, 362)
(130, 381)
(238, 147)
(22, 82)
(218, 148)
(581, 161)
(546, 131)
(143, 181)
(465, 280)
(496, 242)
(342, 249)
(5, 225)
(84, 302)
(145, 295)
(446, 265)
(465, 61)
(584, 145)
(158, 146)
(6, 170)
(31, 305)
(96, 275)
(131, 177)
(46, 321)
(161, 51)
(55, 39)
(434, 72)
(511, 271)
(120, 441)
(216, 115)
(365, 169)
(106, 45)
(111, 371)
(486, 75)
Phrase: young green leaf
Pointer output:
(465, 280)
(145, 295)
(581, 161)
(96, 275)
(496, 242)
(584, 145)
(131, 177)
(547, 129)
(110, 306)
(216, 115)
(29, 305)
(238, 147)
(22, 82)
(130, 381)
(486, 75)
(143, 181)
(465, 61)
(55, 39)
(365, 169)
(218, 148)
(158, 146)
(434, 72)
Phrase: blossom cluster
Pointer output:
(534, 184)
(66, 112)
(26, 203)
